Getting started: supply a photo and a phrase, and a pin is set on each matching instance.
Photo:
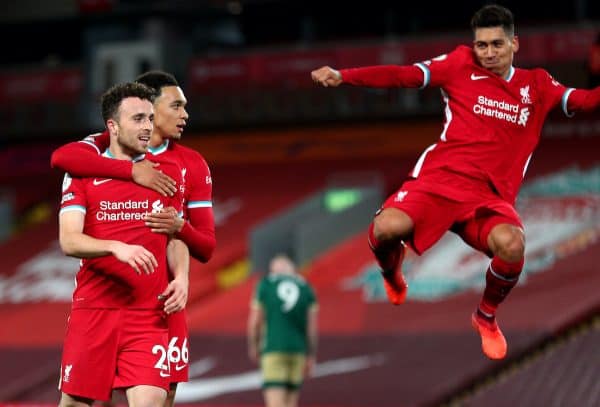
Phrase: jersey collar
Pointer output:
(135, 159)
(160, 149)
(511, 73)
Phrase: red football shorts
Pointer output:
(179, 353)
(472, 218)
(106, 349)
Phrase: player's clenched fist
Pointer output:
(326, 76)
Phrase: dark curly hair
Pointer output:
(157, 80)
(494, 15)
(112, 98)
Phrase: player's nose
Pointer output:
(147, 124)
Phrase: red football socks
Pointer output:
(389, 257)
(500, 278)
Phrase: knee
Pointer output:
(149, 402)
(72, 401)
(146, 396)
(508, 243)
(391, 224)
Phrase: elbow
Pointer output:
(58, 160)
(55, 160)
(211, 249)
(67, 246)
(205, 253)
(69, 243)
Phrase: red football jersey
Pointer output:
(199, 232)
(492, 124)
(196, 176)
(197, 181)
(114, 210)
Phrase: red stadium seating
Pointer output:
(424, 350)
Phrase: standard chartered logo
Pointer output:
(114, 211)
(501, 110)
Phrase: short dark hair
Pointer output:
(494, 15)
(157, 80)
(112, 98)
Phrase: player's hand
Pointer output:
(176, 295)
(309, 367)
(145, 174)
(167, 221)
(140, 259)
(253, 353)
(326, 76)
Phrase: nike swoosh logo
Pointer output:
(478, 77)
(96, 182)
(163, 374)
(202, 389)
(178, 368)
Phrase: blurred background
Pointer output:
(301, 169)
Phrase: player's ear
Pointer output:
(515, 43)
(112, 126)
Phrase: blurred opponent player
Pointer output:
(468, 181)
(197, 231)
(282, 330)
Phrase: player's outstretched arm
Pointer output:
(584, 100)
(75, 243)
(326, 76)
(378, 76)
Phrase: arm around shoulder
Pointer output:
(62, 157)
(81, 159)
